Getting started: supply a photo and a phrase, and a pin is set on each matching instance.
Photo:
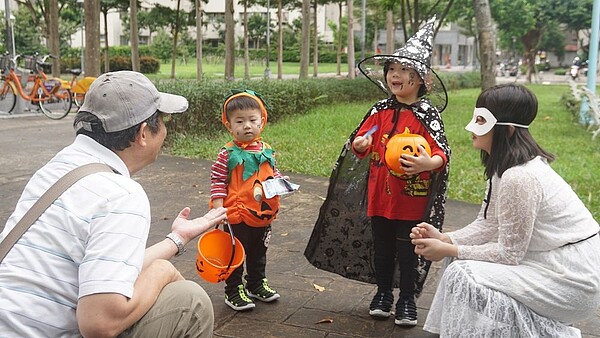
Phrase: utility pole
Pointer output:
(10, 37)
(80, 2)
(363, 23)
(267, 69)
(592, 62)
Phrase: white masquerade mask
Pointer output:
(490, 122)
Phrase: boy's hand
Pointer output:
(361, 144)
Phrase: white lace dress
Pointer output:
(516, 274)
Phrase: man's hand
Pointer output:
(189, 229)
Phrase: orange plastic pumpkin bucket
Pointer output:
(219, 253)
(403, 144)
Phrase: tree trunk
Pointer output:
(199, 40)
(229, 41)
(246, 51)
(175, 34)
(134, 36)
(389, 32)
(339, 42)
(375, 43)
(280, 40)
(92, 37)
(487, 43)
(304, 47)
(530, 42)
(53, 37)
(106, 53)
(316, 42)
(351, 61)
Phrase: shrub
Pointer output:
(149, 65)
(560, 71)
(284, 98)
(572, 104)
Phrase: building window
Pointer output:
(215, 17)
(124, 41)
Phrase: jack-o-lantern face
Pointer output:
(403, 144)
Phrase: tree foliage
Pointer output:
(531, 22)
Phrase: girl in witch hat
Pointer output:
(400, 191)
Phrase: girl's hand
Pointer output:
(413, 165)
(361, 144)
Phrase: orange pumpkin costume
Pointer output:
(245, 201)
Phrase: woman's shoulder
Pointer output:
(534, 169)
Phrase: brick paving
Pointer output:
(340, 310)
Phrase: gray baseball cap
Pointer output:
(124, 99)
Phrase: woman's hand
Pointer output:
(189, 229)
(425, 230)
(434, 249)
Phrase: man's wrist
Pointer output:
(178, 242)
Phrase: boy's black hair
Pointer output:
(241, 103)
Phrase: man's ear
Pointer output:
(142, 134)
(228, 126)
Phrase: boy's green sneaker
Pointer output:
(238, 300)
(264, 292)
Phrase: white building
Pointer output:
(214, 13)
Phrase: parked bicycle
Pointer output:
(79, 87)
(51, 95)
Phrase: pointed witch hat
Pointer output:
(416, 54)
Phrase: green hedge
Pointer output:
(148, 64)
(284, 97)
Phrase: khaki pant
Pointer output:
(183, 309)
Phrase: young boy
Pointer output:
(397, 202)
(236, 183)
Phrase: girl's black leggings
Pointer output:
(393, 249)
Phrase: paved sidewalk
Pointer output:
(26, 143)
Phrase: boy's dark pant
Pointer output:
(392, 243)
(255, 241)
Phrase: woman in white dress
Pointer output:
(529, 265)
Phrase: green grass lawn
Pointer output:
(310, 144)
(215, 69)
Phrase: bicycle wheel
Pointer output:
(8, 98)
(58, 105)
(78, 99)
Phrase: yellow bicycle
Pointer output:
(51, 95)
(79, 86)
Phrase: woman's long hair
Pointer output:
(511, 146)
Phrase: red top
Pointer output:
(389, 195)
